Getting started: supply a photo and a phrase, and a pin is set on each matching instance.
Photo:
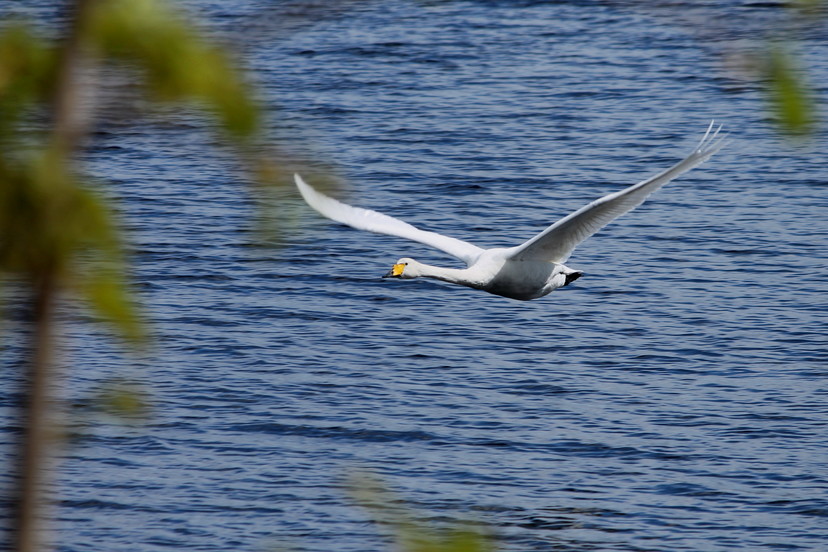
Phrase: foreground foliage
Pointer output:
(57, 234)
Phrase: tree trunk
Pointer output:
(38, 420)
(40, 428)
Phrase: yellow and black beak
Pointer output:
(396, 271)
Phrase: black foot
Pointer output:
(573, 276)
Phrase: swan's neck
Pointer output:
(452, 275)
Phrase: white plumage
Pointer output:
(527, 271)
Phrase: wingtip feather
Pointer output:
(711, 143)
(311, 196)
(300, 182)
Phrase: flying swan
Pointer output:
(528, 271)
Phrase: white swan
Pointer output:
(525, 272)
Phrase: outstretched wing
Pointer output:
(556, 243)
(364, 219)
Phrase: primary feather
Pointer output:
(556, 243)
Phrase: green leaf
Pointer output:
(51, 224)
(791, 99)
(177, 65)
(124, 399)
(412, 535)
(26, 71)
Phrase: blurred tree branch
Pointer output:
(56, 234)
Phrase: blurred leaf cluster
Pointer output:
(791, 98)
(126, 404)
(176, 65)
(410, 534)
(53, 223)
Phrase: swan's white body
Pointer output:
(527, 271)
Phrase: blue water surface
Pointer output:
(672, 399)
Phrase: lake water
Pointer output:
(672, 399)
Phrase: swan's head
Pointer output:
(404, 268)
